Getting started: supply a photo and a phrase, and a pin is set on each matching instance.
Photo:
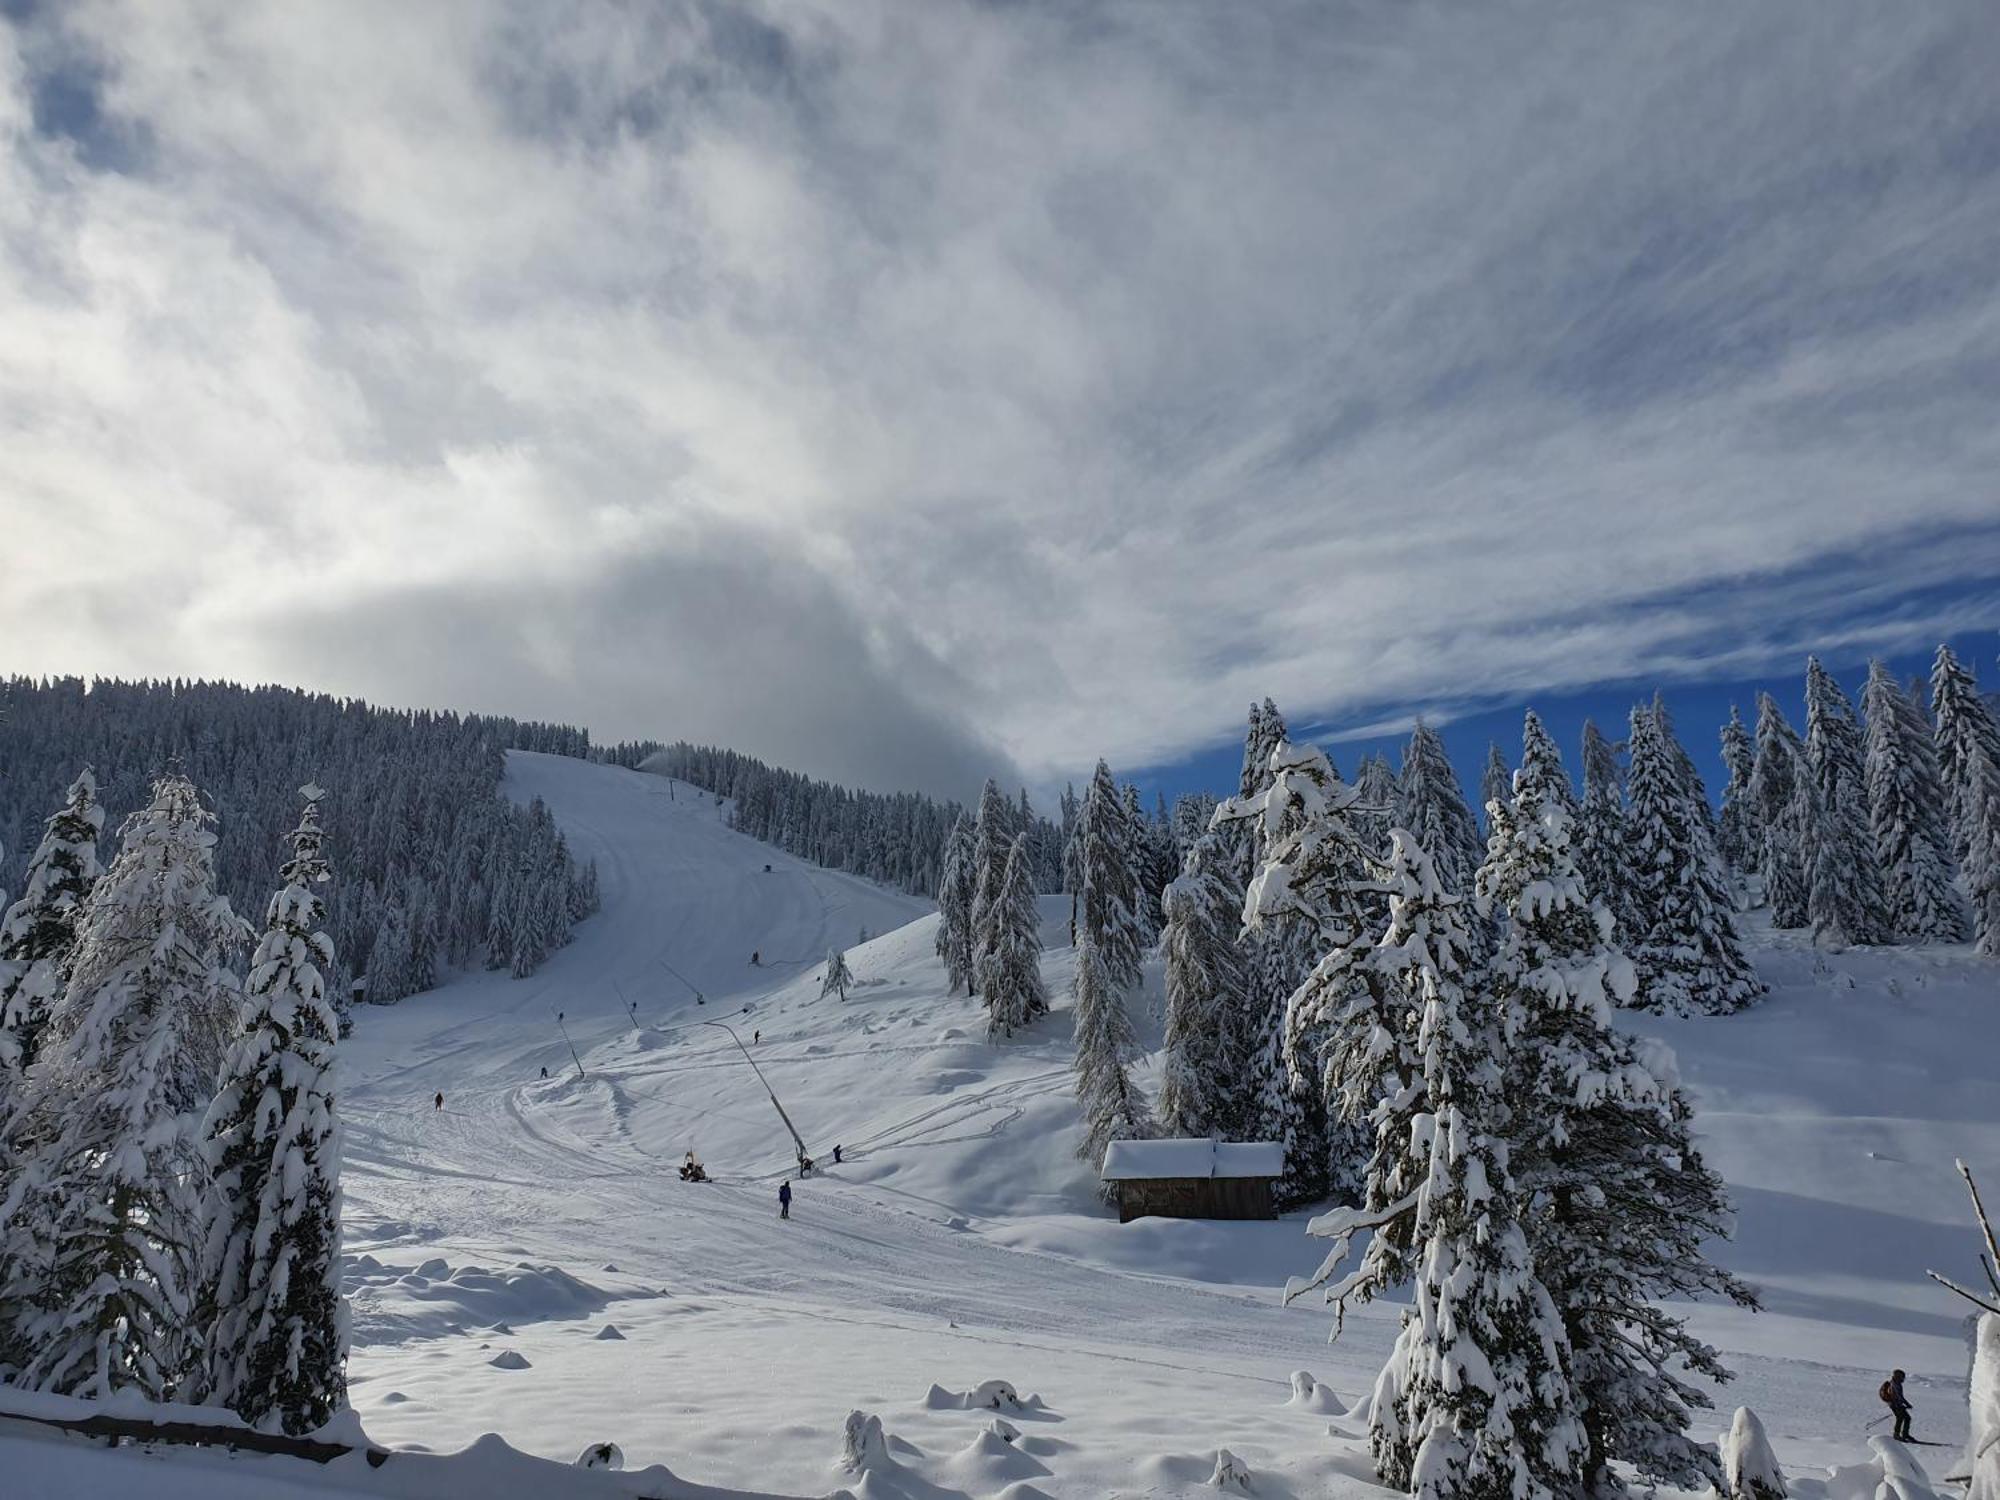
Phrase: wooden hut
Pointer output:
(1193, 1179)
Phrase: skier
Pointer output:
(785, 1199)
(836, 1154)
(756, 958)
(545, 1072)
(756, 1038)
(438, 1103)
(1893, 1397)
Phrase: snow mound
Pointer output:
(609, 1332)
(601, 1456)
(1230, 1472)
(992, 1459)
(510, 1359)
(1309, 1395)
(1902, 1477)
(392, 1305)
(863, 1448)
(988, 1395)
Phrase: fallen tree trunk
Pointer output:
(88, 1419)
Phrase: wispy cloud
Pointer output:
(899, 389)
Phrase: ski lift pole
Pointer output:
(571, 1045)
(797, 1139)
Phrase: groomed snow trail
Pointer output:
(962, 1241)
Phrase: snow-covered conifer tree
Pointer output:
(1496, 782)
(954, 900)
(1311, 895)
(112, 1110)
(38, 933)
(1906, 815)
(992, 838)
(1374, 811)
(1205, 1042)
(1614, 1197)
(1265, 733)
(1782, 792)
(1844, 899)
(1739, 831)
(1476, 1398)
(1010, 949)
(1108, 885)
(1968, 746)
(276, 1346)
(1684, 942)
(1113, 1108)
(1600, 828)
(837, 977)
(1542, 778)
(1431, 805)
(1750, 1469)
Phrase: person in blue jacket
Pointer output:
(785, 1199)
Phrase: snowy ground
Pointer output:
(526, 1261)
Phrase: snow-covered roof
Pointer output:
(1127, 1161)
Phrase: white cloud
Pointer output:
(1064, 379)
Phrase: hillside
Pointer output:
(499, 1242)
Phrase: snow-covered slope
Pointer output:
(526, 1260)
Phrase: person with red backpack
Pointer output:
(1893, 1397)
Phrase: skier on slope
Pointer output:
(1893, 1397)
(438, 1103)
(755, 958)
(785, 1200)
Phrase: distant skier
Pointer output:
(785, 1199)
(545, 1072)
(836, 1154)
(756, 958)
(438, 1103)
(756, 1038)
(1893, 1397)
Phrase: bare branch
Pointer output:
(1972, 1297)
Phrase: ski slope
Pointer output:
(526, 1261)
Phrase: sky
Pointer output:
(905, 392)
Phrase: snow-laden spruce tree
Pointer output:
(992, 839)
(1844, 899)
(1205, 1042)
(1312, 893)
(112, 1222)
(1496, 781)
(1684, 943)
(1783, 794)
(1374, 810)
(1265, 733)
(1542, 776)
(1010, 949)
(954, 900)
(1750, 1468)
(38, 933)
(1614, 1197)
(1600, 828)
(1475, 1399)
(1431, 805)
(1113, 1107)
(1738, 830)
(1107, 883)
(1276, 1099)
(276, 1324)
(838, 976)
(1968, 745)
(1906, 816)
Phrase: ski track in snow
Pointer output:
(961, 1240)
